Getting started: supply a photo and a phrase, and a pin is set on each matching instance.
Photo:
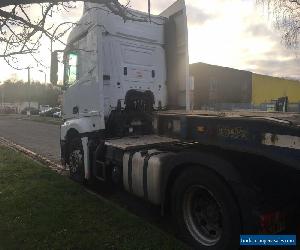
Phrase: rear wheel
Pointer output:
(76, 160)
(205, 211)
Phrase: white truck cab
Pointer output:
(108, 60)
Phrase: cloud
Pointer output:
(231, 33)
(238, 35)
(259, 30)
(197, 16)
(281, 68)
(266, 54)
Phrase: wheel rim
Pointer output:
(75, 161)
(202, 215)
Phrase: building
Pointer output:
(268, 88)
(226, 88)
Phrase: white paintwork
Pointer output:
(187, 97)
(178, 12)
(87, 92)
(174, 8)
(283, 141)
(86, 154)
(107, 45)
(191, 93)
(82, 125)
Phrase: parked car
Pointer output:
(33, 111)
(44, 108)
(57, 114)
(8, 110)
(50, 112)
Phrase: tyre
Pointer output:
(76, 160)
(205, 211)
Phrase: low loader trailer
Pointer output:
(128, 124)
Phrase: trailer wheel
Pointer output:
(205, 211)
(76, 160)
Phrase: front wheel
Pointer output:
(205, 211)
(76, 160)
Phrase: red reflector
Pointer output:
(272, 223)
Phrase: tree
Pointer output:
(287, 19)
(22, 34)
(17, 91)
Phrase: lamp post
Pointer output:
(149, 10)
(29, 94)
(2, 97)
(42, 71)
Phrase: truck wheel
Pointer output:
(76, 160)
(205, 211)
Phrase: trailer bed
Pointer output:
(273, 135)
(290, 118)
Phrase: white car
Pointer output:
(43, 108)
(57, 114)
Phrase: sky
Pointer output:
(230, 33)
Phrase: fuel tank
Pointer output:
(142, 173)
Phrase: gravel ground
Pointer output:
(39, 137)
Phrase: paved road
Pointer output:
(39, 137)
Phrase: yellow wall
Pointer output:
(266, 88)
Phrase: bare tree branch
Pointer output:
(286, 15)
(5, 3)
(10, 15)
(22, 34)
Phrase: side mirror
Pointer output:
(54, 68)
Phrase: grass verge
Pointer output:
(49, 120)
(42, 210)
